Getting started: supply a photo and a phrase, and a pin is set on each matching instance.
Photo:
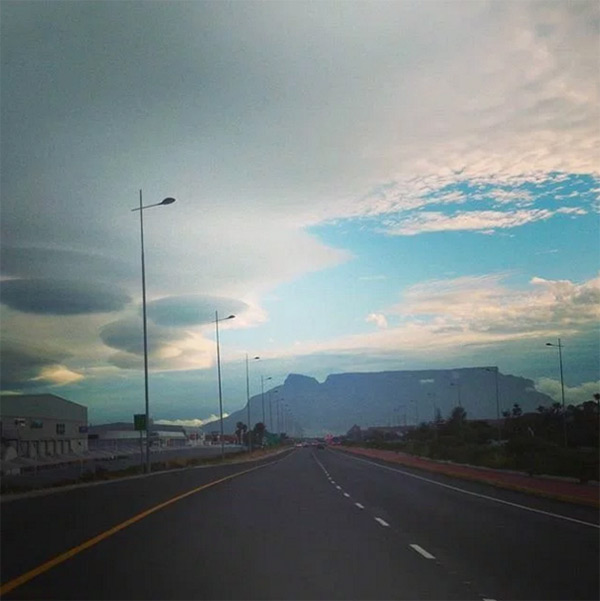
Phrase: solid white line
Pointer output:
(359, 505)
(486, 599)
(475, 494)
(382, 522)
(346, 494)
(422, 552)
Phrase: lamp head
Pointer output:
(168, 201)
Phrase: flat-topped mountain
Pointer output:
(388, 398)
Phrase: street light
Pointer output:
(562, 387)
(457, 385)
(431, 396)
(262, 392)
(271, 408)
(416, 413)
(167, 201)
(217, 320)
(495, 370)
(248, 401)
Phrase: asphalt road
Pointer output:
(309, 524)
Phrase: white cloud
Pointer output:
(484, 304)
(190, 423)
(473, 311)
(58, 375)
(375, 111)
(482, 221)
(574, 395)
(372, 278)
(378, 319)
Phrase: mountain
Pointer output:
(387, 398)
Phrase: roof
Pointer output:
(49, 406)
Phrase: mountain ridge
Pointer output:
(387, 398)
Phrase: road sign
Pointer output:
(139, 421)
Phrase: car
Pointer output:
(320, 445)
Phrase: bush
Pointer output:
(537, 456)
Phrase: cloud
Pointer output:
(480, 221)
(484, 304)
(378, 319)
(472, 311)
(53, 263)
(168, 348)
(191, 423)
(58, 375)
(574, 395)
(28, 365)
(61, 297)
(373, 278)
(192, 309)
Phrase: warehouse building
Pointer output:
(39, 425)
(122, 436)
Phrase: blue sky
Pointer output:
(365, 185)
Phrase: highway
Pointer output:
(306, 524)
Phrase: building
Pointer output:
(38, 425)
(123, 435)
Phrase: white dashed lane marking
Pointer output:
(382, 522)
(346, 494)
(359, 505)
(422, 552)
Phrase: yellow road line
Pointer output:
(48, 565)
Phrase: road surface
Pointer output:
(308, 524)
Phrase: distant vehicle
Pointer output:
(320, 445)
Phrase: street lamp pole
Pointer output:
(262, 392)
(416, 412)
(271, 408)
(498, 423)
(562, 388)
(248, 402)
(498, 406)
(219, 377)
(457, 384)
(166, 201)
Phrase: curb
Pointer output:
(491, 482)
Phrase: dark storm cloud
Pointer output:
(193, 309)
(126, 335)
(52, 263)
(21, 363)
(61, 297)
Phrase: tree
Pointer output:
(516, 410)
(259, 433)
(458, 415)
(239, 429)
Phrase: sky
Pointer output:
(366, 186)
